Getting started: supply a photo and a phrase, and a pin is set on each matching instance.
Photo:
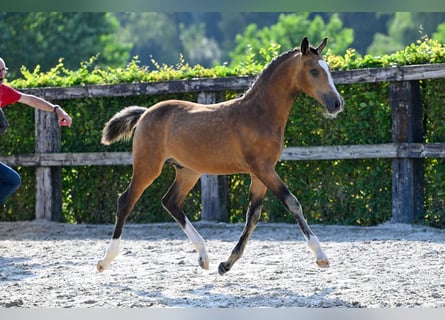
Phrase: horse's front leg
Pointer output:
(313, 243)
(276, 185)
(256, 195)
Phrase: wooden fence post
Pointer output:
(213, 187)
(408, 173)
(48, 179)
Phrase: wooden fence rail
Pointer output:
(407, 150)
(337, 152)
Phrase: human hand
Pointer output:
(63, 118)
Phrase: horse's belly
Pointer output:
(215, 160)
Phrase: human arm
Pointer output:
(36, 102)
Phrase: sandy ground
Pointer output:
(45, 264)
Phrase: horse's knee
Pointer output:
(293, 204)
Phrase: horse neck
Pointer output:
(272, 91)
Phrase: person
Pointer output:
(10, 180)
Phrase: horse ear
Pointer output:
(322, 45)
(304, 46)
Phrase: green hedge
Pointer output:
(356, 192)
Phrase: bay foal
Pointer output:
(243, 135)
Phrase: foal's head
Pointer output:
(314, 77)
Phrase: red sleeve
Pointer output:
(8, 95)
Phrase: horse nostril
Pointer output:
(333, 104)
(337, 105)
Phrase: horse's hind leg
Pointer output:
(256, 195)
(173, 202)
(274, 183)
(142, 178)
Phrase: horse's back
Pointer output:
(202, 137)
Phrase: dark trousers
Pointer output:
(9, 182)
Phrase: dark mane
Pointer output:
(271, 66)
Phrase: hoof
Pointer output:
(203, 263)
(323, 263)
(222, 269)
(100, 266)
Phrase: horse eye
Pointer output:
(314, 72)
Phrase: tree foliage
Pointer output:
(404, 28)
(198, 48)
(205, 38)
(439, 35)
(41, 38)
(153, 35)
(288, 32)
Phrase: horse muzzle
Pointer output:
(334, 103)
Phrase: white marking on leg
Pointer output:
(112, 252)
(320, 258)
(312, 242)
(315, 246)
(198, 243)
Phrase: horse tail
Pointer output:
(121, 125)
